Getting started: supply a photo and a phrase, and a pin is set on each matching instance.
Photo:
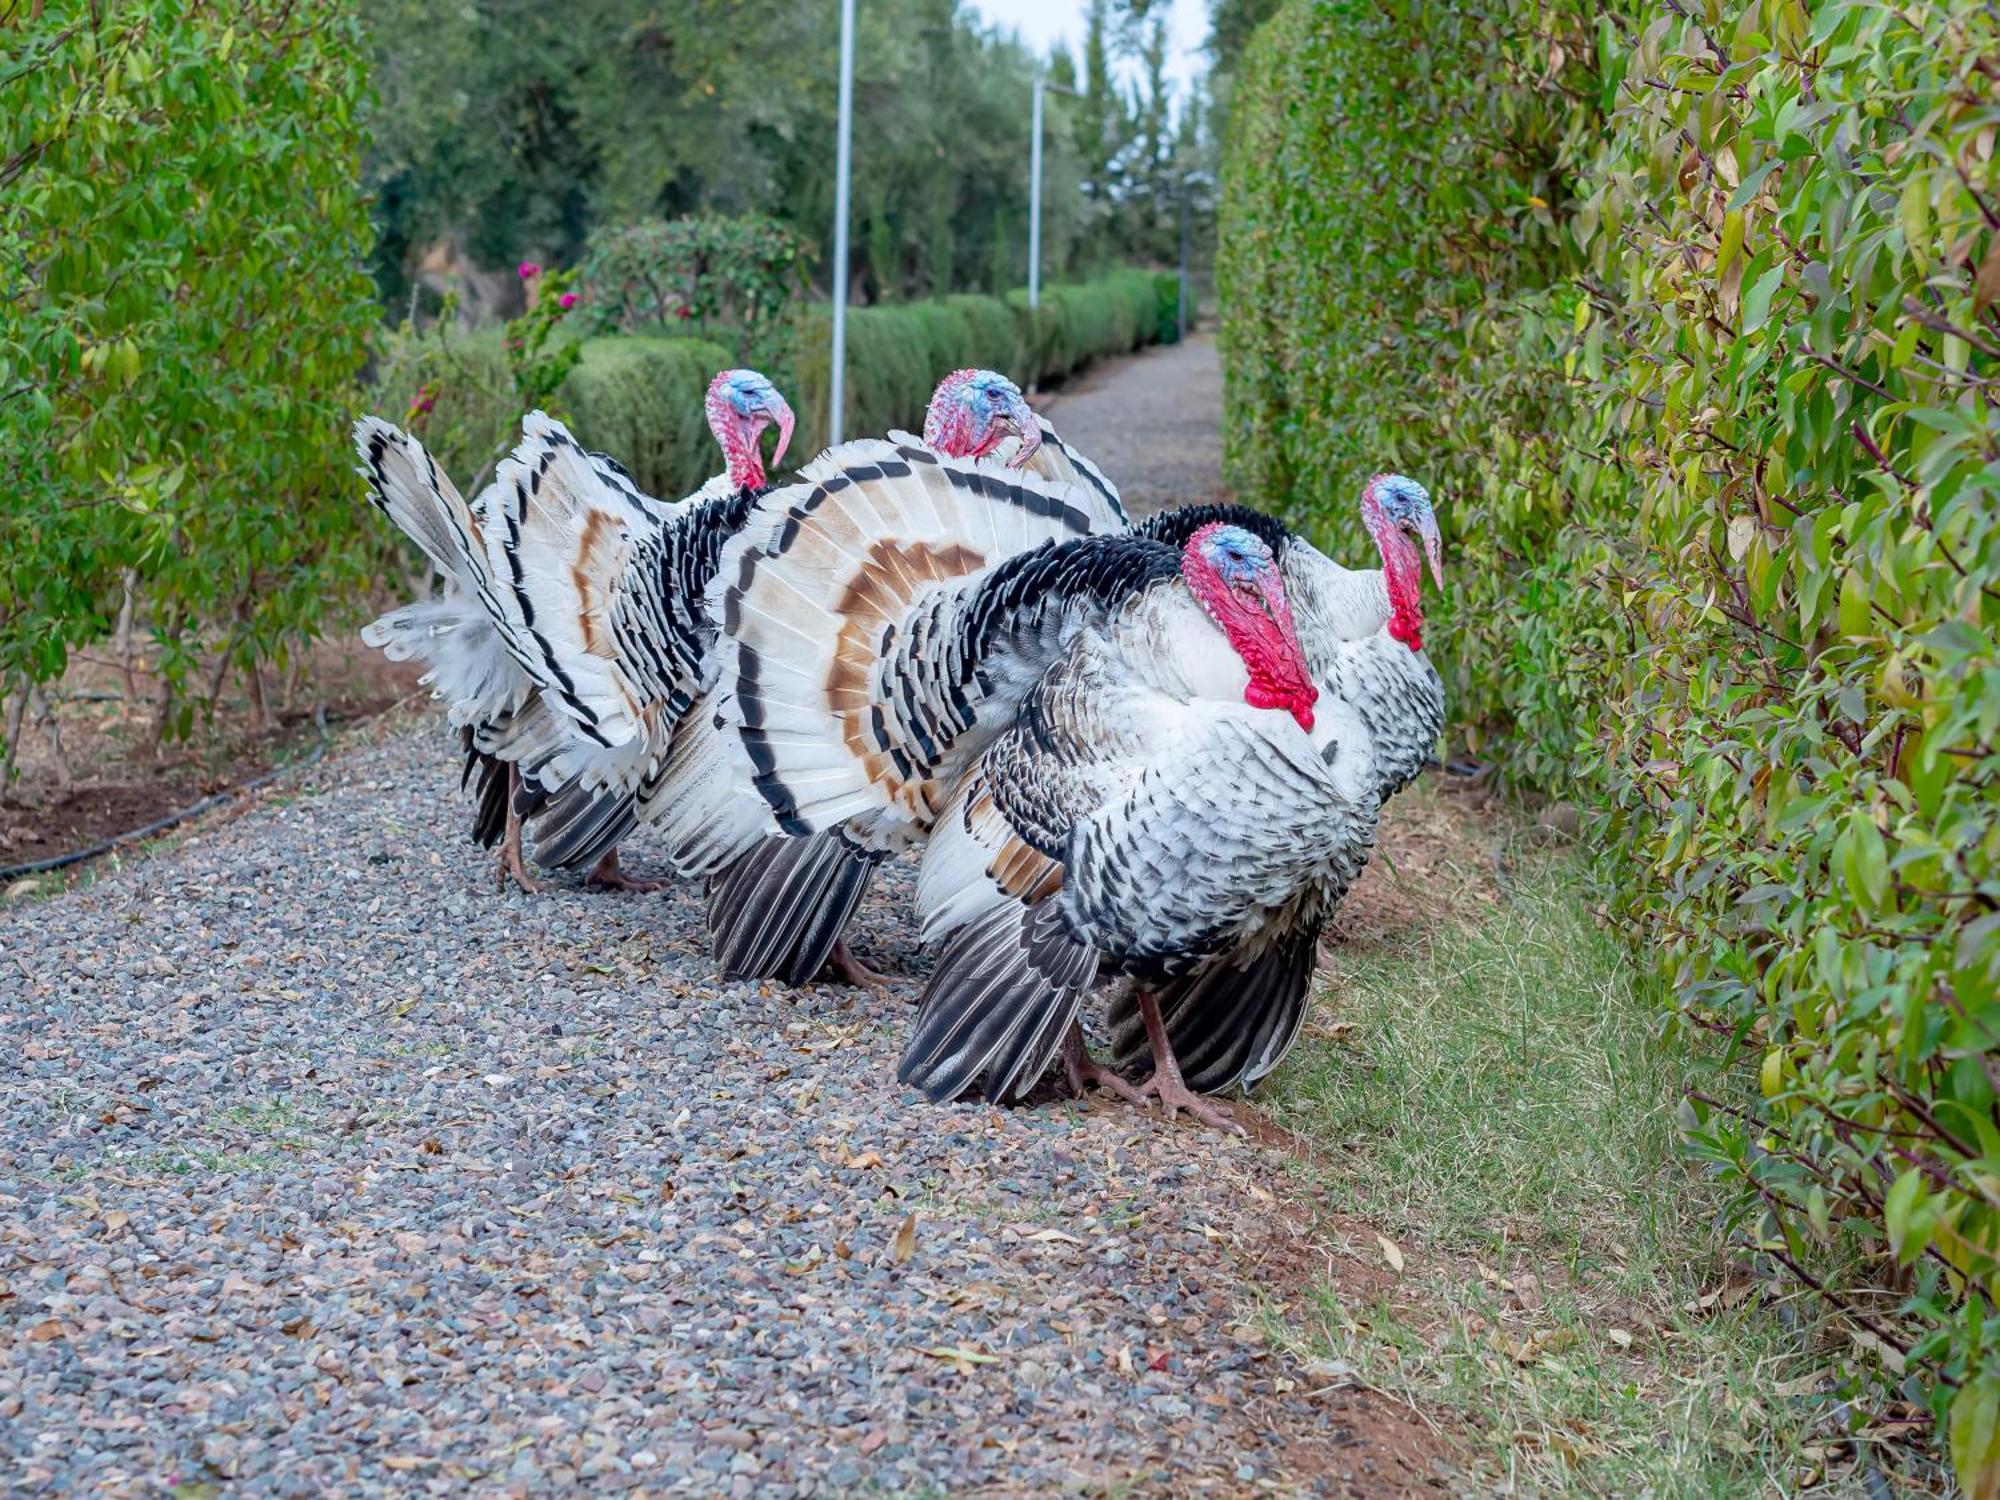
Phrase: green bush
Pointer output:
(187, 313)
(1167, 307)
(714, 276)
(1690, 318)
(896, 353)
(637, 398)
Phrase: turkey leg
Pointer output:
(1082, 1070)
(853, 971)
(511, 862)
(605, 875)
(1166, 1085)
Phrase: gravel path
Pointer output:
(1153, 423)
(324, 1168)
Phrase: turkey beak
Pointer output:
(1022, 416)
(1427, 528)
(781, 411)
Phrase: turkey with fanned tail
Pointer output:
(1116, 733)
(500, 642)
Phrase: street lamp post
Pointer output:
(1042, 86)
(842, 174)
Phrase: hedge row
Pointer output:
(1690, 314)
(640, 397)
(896, 353)
(185, 313)
(634, 396)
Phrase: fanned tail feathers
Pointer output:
(1005, 989)
(1229, 1025)
(459, 637)
(825, 579)
(777, 911)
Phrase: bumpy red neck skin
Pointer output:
(1402, 571)
(738, 436)
(944, 402)
(1262, 633)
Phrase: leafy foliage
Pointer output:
(522, 130)
(1691, 317)
(704, 274)
(178, 199)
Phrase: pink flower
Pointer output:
(687, 312)
(567, 299)
(529, 270)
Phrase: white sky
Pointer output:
(1042, 23)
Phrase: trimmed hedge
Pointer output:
(640, 397)
(637, 397)
(896, 353)
(1689, 315)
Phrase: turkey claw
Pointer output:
(607, 876)
(1175, 1095)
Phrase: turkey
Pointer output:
(1106, 739)
(981, 413)
(495, 663)
(779, 902)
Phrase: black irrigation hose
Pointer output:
(105, 846)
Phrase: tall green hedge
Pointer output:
(637, 397)
(1691, 316)
(186, 314)
(897, 352)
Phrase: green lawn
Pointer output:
(1495, 1100)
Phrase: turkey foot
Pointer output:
(1082, 1070)
(511, 862)
(1166, 1085)
(852, 970)
(606, 876)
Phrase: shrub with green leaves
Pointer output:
(897, 352)
(637, 398)
(1691, 318)
(179, 206)
(727, 278)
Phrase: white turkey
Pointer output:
(981, 414)
(872, 648)
(1106, 739)
(490, 655)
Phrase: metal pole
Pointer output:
(843, 171)
(1035, 203)
(1183, 310)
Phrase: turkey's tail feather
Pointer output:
(1087, 487)
(1006, 988)
(777, 911)
(460, 638)
(856, 574)
(489, 818)
(562, 528)
(574, 828)
(408, 487)
(1229, 1025)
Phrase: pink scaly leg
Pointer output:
(606, 876)
(511, 862)
(1082, 1070)
(852, 970)
(1165, 1084)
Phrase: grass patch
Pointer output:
(1499, 1103)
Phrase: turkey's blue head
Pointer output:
(972, 412)
(740, 405)
(1234, 575)
(1397, 511)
